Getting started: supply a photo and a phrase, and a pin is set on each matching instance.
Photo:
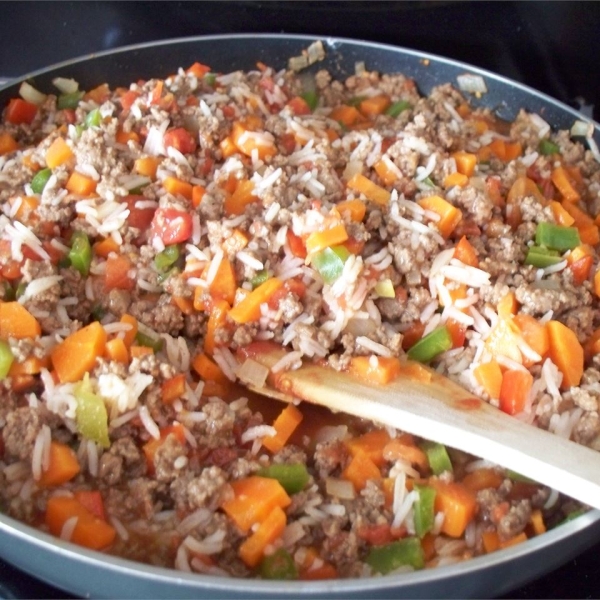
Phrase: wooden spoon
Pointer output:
(442, 411)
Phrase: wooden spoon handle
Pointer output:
(444, 412)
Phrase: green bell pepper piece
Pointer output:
(398, 107)
(39, 181)
(556, 237)
(93, 118)
(541, 258)
(389, 557)
(145, 340)
(423, 510)
(438, 458)
(293, 478)
(91, 415)
(279, 565)
(6, 359)
(210, 79)
(329, 262)
(259, 278)
(80, 254)
(167, 258)
(547, 148)
(69, 100)
(312, 99)
(514, 476)
(428, 347)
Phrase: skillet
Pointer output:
(86, 573)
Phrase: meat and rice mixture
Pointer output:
(149, 234)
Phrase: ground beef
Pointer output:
(20, 431)
(204, 491)
(329, 457)
(123, 460)
(515, 520)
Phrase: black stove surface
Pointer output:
(551, 46)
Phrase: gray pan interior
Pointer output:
(90, 574)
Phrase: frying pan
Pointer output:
(90, 574)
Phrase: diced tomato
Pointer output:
(128, 98)
(69, 115)
(287, 141)
(581, 269)
(291, 286)
(92, 500)
(267, 83)
(228, 111)
(180, 139)
(116, 275)
(299, 106)
(20, 111)
(140, 218)
(296, 244)
(378, 535)
(171, 225)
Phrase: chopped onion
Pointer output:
(340, 488)
(29, 93)
(66, 86)
(582, 129)
(474, 84)
(130, 182)
(331, 433)
(359, 68)
(252, 373)
(542, 127)
(360, 326)
(352, 168)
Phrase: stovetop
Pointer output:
(551, 46)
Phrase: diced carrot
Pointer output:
(523, 186)
(405, 449)
(117, 273)
(597, 283)
(360, 470)
(76, 355)
(457, 503)
(482, 479)
(498, 148)
(254, 498)
(379, 369)
(371, 444)
(356, 209)
(346, 115)
(507, 305)
(489, 376)
(248, 310)
(218, 315)
(491, 541)
(17, 322)
(562, 181)
(99, 94)
(455, 179)
(90, 531)
(493, 187)
(241, 197)
(450, 216)
(299, 106)
(561, 216)
(465, 162)
(7, 143)
(513, 541)
(151, 447)
(128, 98)
(285, 424)
(223, 285)
(208, 369)
(237, 241)
(173, 388)
(373, 192)
(512, 150)
(537, 522)
(227, 146)
(58, 153)
(147, 166)
(243, 137)
(253, 548)
(581, 269)
(32, 365)
(123, 137)
(321, 573)
(387, 175)
(92, 501)
(319, 240)
(588, 230)
(62, 467)
(184, 304)
(502, 340)
(198, 192)
(375, 105)
(566, 353)
(20, 111)
(80, 184)
(465, 252)
(516, 385)
(129, 335)
(140, 351)
(104, 247)
(177, 187)
(116, 350)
